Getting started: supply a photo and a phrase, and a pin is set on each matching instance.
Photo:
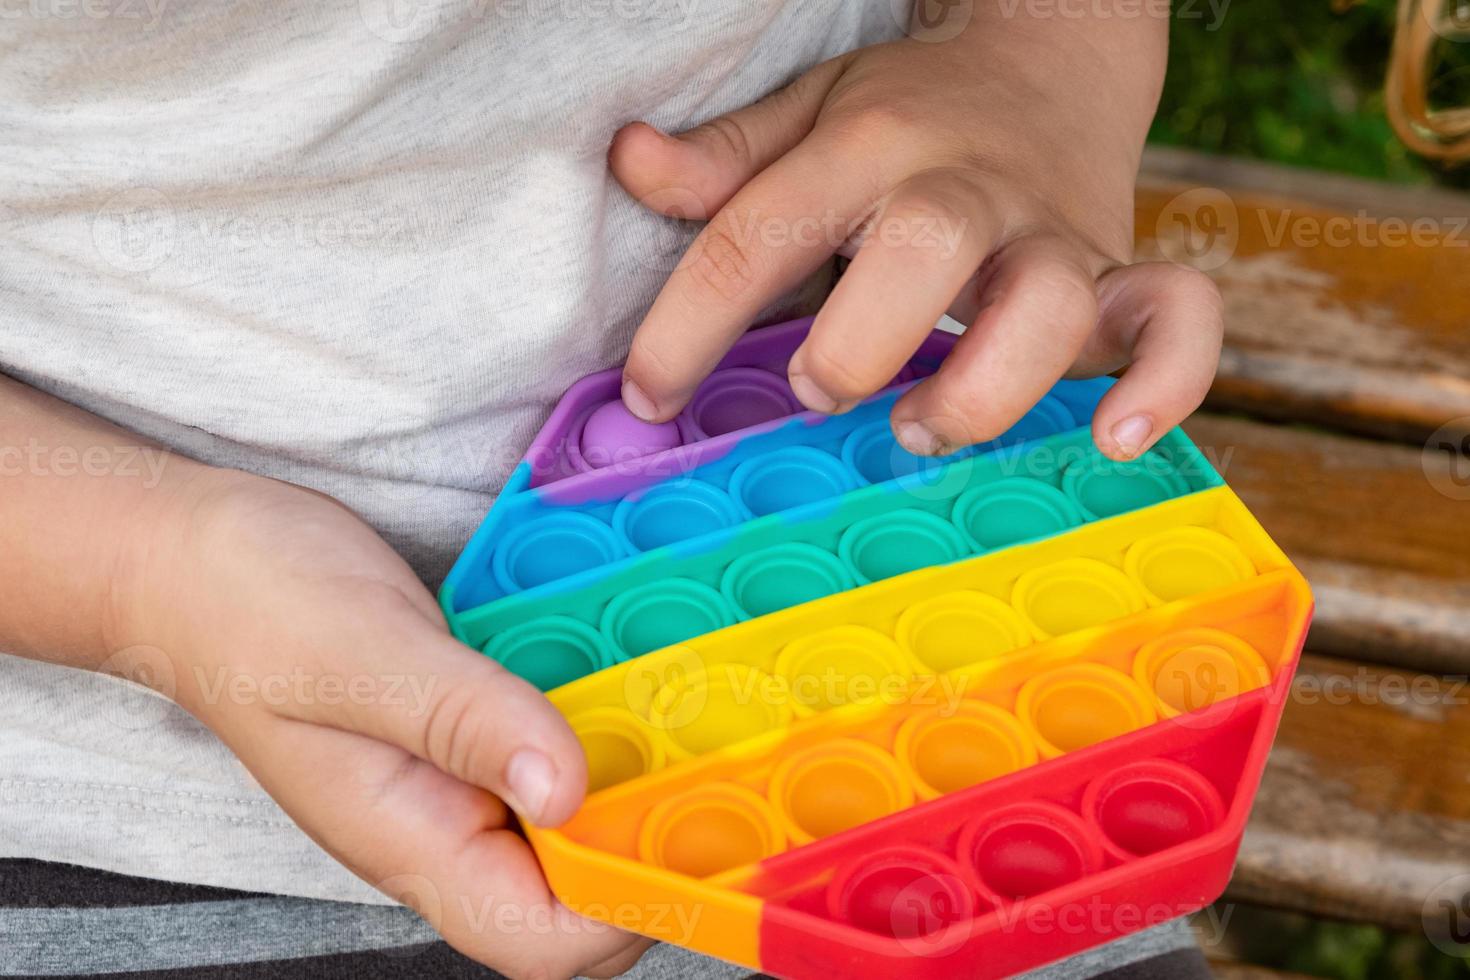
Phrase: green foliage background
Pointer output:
(1297, 82)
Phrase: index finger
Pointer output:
(772, 235)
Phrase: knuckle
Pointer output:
(453, 730)
(729, 136)
(941, 193)
(723, 264)
(875, 125)
(965, 412)
(841, 377)
(1196, 291)
(650, 367)
(932, 221)
(1071, 298)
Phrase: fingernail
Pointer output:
(811, 396)
(1131, 434)
(530, 777)
(919, 439)
(638, 402)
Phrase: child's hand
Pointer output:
(310, 648)
(990, 177)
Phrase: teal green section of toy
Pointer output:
(967, 507)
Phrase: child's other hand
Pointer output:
(300, 637)
(989, 176)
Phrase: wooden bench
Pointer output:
(1347, 351)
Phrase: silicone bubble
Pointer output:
(736, 398)
(673, 512)
(612, 434)
(550, 547)
(1047, 417)
(1151, 806)
(843, 665)
(773, 579)
(874, 454)
(1193, 669)
(710, 829)
(551, 651)
(1072, 707)
(663, 613)
(1073, 594)
(1027, 849)
(1013, 510)
(722, 705)
(1185, 561)
(904, 892)
(836, 785)
(950, 747)
(618, 746)
(788, 478)
(1103, 487)
(958, 629)
(885, 545)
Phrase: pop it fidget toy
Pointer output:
(852, 712)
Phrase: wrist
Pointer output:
(155, 573)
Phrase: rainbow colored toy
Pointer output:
(849, 712)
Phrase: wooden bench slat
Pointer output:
(1385, 551)
(1364, 808)
(1366, 334)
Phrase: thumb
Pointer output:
(693, 174)
(424, 691)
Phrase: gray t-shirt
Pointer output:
(362, 245)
